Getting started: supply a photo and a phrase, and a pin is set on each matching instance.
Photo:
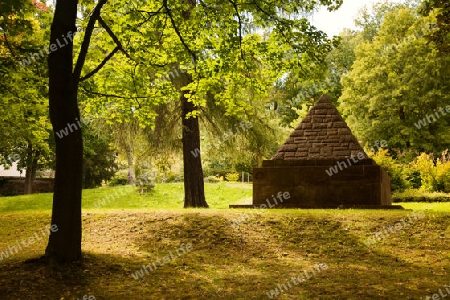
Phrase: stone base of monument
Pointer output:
(313, 184)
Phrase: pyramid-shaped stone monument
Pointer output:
(321, 135)
(321, 165)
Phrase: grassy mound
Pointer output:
(133, 245)
(235, 254)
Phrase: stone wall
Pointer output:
(11, 186)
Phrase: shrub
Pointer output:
(443, 173)
(145, 184)
(395, 170)
(232, 177)
(173, 177)
(146, 178)
(120, 178)
(420, 196)
(433, 176)
(443, 179)
(212, 179)
(413, 177)
(425, 166)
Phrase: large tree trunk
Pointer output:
(65, 244)
(194, 193)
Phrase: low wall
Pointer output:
(11, 186)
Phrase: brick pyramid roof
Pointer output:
(322, 134)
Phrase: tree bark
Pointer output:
(130, 160)
(194, 193)
(30, 173)
(65, 244)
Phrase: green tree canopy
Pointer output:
(397, 80)
(26, 128)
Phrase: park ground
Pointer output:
(235, 254)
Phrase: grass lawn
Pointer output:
(235, 254)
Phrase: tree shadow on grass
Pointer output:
(239, 262)
(253, 259)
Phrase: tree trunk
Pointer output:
(65, 244)
(87, 177)
(194, 193)
(30, 173)
(130, 160)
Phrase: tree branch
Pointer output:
(105, 60)
(169, 13)
(134, 85)
(114, 37)
(240, 26)
(86, 41)
(162, 31)
(14, 93)
(150, 15)
(208, 8)
(8, 45)
(109, 95)
(277, 22)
